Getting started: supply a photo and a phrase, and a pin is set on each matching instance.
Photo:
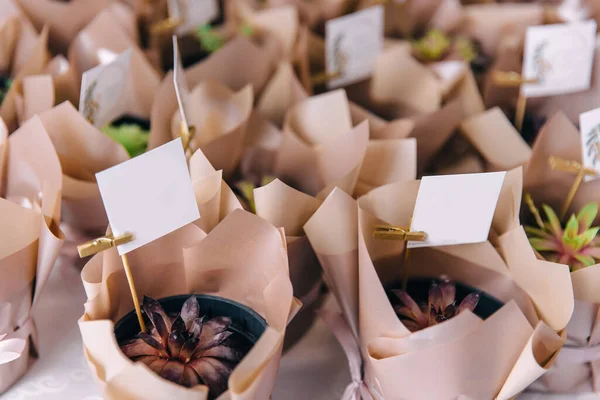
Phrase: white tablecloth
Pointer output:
(315, 368)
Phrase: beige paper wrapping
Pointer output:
(9, 33)
(467, 356)
(36, 57)
(222, 66)
(31, 241)
(243, 259)
(320, 149)
(577, 367)
(83, 151)
(289, 209)
(103, 39)
(488, 22)
(279, 22)
(220, 118)
(214, 198)
(65, 19)
(66, 81)
(37, 95)
(281, 92)
(500, 144)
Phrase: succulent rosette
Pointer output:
(440, 329)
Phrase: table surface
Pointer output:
(315, 368)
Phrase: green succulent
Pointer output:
(210, 40)
(466, 48)
(245, 188)
(432, 46)
(5, 84)
(133, 137)
(577, 245)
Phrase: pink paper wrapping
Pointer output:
(222, 66)
(31, 207)
(102, 40)
(37, 95)
(467, 356)
(83, 151)
(320, 149)
(30, 58)
(65, 19)
(243, 259)
(577, 367)
(220, 118)
(289, 209)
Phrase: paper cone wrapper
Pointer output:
(223, 66)
(320, 149)
(577, 366)
(487, 23)
(37, 96)
(214, 198)
(104, 37)
(32, 207)
(242, 259)
(220, 117)
(508, 59)
(52, 13)
(261, 142)
(495, 138)
(470, 356)
(281, 93)
(66, 82)
(287, 208)
(280, 22)
(10, 29)
(83, 151)
(36, 58)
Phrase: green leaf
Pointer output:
(553, 220)
(266, 180)
(536, 232)
(587, 215)
(432, 46)
(576, 243)
(246, 189)
(585, 259)
(131, 136)
(589, 235)
(543, 244)
(572, 228)
(209, 40)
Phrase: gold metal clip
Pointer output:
(510, 79)
(572, 167)
(187, 136)
(166, 25)
(103, 243)
(388, 232)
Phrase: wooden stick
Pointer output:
(520, 112)
(572, 192)
(136, 302)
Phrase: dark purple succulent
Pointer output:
(188, 349)
(440, 307)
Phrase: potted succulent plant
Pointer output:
(427, 302)
(132, 132)
(191, 340)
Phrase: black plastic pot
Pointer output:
(418, 289)
(132, 120)
(245, 321)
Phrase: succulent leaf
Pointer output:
(575, 246)
(440, 307)
(187, 349)
(133, 137)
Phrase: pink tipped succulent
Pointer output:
(187, 349)
(577, 245)
(441, 306)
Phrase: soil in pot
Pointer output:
(191, 340)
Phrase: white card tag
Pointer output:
(560, 57)
(105, 90)
(181, 88)
(352, 44)
(572, 11)
(589, 124)
(192, 13)
(456, 209)
(149, 196)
